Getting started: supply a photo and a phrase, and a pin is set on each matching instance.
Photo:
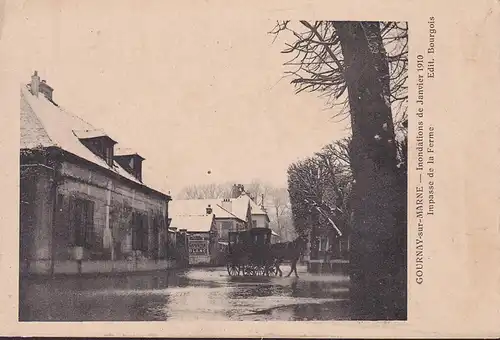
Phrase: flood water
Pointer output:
(191, 294)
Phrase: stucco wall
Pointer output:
(261, 221)
(225, 225)
(80, 182)
(36, 218)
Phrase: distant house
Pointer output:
(260, 219)
(84, 204)
(238, 213)
(328, 248)
(259, 216)
(229, 214)
(201, 230)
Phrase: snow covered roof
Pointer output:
(91, 133)
(234, 208)
(256, 209)
(126, 152)
(44, 124)
(240, 208)
(193, 223)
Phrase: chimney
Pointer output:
(35, 84)
(227, 204)
(46, 90)
(209, 210)
(237, 190)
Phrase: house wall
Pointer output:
(327, 253)
(36, 218)
(80, 182)
(261, 221)
(225, 225)
(44, 234)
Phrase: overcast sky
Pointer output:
(191, 91)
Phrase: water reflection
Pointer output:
(196, 294)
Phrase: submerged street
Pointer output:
(191, 294)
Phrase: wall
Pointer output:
(224, 226)
(81, 182)
(331, 256)
(261, 220)
(202, 240)
(210, 243)
(36, 219)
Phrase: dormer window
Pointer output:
(97, 142)
(108, 154)
(130, 161)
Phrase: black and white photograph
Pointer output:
(174, 168)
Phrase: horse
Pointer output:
(288, 251)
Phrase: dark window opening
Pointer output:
(155, 237)
(140, 232)
(82, 222)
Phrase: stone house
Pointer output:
(84, 205)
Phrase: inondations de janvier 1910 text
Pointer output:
(425, 147)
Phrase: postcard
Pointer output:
(230, 168)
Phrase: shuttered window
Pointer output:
(82, 222)
(140, 232)
(155, 236)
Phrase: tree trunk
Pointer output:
(378, 243)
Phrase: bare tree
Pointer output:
(258, 191)
(276, 202)
(212, 190)
(362, 66)
(279, 211)
(318, 64)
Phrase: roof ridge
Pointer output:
(230, 213)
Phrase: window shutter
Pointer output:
(90, 236)
(78, 222)
(134, 231)
(72, 222)
(145, 233)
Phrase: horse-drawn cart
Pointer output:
(249, 253)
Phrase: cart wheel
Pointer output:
(233, 269)
(270, 271)
(259, 270)
(248, 270)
